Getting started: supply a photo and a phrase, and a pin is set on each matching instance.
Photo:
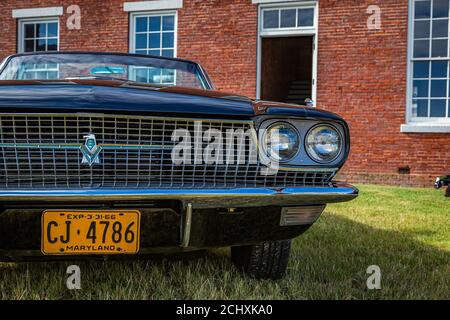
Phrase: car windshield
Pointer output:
(127, 68)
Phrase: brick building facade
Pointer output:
(366, 60)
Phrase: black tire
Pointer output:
(268, 260)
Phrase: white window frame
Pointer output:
(288, 32)
(132, 36)
(419, 124)
(21, 31)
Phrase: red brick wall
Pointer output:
(361, 72)
(222, 36)
(362, 76)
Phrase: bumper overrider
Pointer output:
(200, 219)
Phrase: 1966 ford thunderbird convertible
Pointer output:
(114, 154)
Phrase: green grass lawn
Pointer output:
(406, 232)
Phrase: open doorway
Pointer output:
(287, 69)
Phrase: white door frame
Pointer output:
(288, 32)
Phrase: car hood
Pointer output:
(116, 96)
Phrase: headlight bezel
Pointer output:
(302, 160)
(265, 146)
(341, 146)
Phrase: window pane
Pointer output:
(271, 19)
(155, 23)
(141, 24)
(154, 52)
(438, 88)
(154, 40)
(169, 23)
(168, 40)
(437, 108)
(420, 88)
(40, 45)
(141, 41)
(421, 29)
(168, 76)
(141, 51)
(421, 69)
(440, 28)
(154, 75)
(420, 108)
(306, 17)
(41, 30)
(168, 53)
(52, 75)
(52, 66)
(422, 9)
(141, 75)
(52, 30)
(28, 76)
(288, 18)
(29, 45)
(421, 48)
(52, 45)
(439, 69)
(439, 48)
(29, 31)
(440, 8)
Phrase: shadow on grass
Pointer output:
(328, 262)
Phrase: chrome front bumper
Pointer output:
(199, 199)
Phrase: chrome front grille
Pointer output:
(40, 151)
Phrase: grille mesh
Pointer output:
(33, 156)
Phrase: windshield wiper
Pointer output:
(126, 83)
(99, 78)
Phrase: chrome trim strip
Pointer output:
(71, 146)
(187, 226)
(105, 115)
(206, 198)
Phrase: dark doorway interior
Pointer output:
(286, 69)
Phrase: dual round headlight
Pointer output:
(323, 143)
(281, 142)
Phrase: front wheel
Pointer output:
(267, 260)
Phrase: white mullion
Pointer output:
(160, 47)
(279, 18)
(161, 36)
(46, 39)
(430, 82)
(448, 66)
(430, 68)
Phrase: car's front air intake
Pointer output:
(95, 151)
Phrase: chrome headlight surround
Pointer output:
(334, 136)
(291, 136)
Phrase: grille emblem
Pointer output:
(90, 151)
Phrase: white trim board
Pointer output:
(425, 128)
(152, 5)
(37, 12)
(280, 1)
(312, 31)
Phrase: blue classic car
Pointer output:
(118, 154)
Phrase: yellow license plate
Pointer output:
(90, 232)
